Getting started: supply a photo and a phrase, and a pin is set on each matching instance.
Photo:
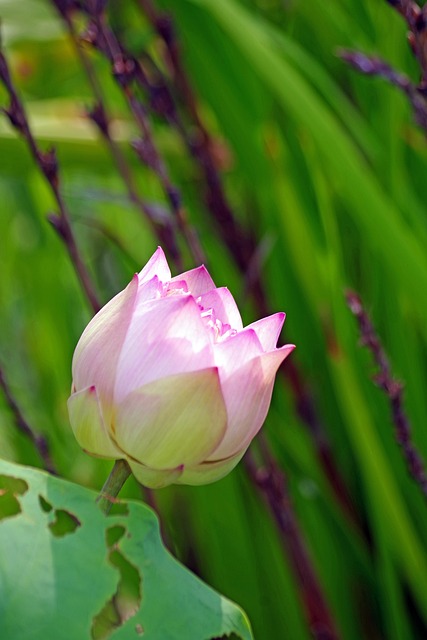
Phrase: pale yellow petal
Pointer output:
(88, 424)
(174, 421)
(208, 472)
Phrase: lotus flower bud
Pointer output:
(166, 377)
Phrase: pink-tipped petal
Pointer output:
(222, 302)
(166, 337)
(268, 330)
(247, 393)
(88, 424)
(174, 421)
(198, 281)
(98, 350)
(149, 290)
(156, 266)
(233, 352)
(177, 287)
(153, 478)
(208, 472)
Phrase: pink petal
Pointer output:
(233, 352)
(208, 472)
(177, 287)
(98, 350)
(165, 337)
(156, 266)
(88, 425)
(268, 330)
(149, 290)
(198, 280)
(247, 393)
(222, 302)
(174, 421)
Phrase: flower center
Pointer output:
(219, 330)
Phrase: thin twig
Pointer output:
(393, 390)
(271, 481)
(48, 165)
(22, 425)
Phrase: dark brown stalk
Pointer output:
(39, 441)
(393, 390)
(271, 482)
(48, 165)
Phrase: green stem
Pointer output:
(115, 481)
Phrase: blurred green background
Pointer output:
(328, 170)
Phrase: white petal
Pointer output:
(174, 421)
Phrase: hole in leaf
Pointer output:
(114, 534)
(126, 602)
(119, 508)
(64, 523)
(10, 488)
(44, 504)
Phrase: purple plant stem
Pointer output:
(162, 226)
(240, 241)
(393, 390)
(126, 70)
(416, 18)
(375, 66)
(272, 483)
(48, 165)
(22, 425)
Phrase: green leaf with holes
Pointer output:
(69, 572)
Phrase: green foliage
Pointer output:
(69, 571)
(328, 170)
